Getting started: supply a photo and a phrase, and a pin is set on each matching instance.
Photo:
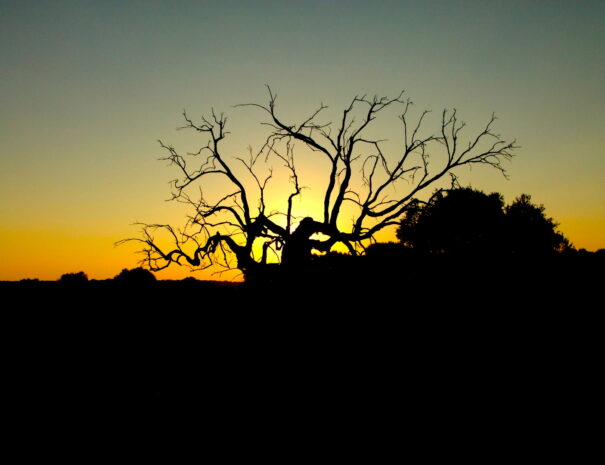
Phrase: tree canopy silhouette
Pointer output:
(469, 222)
(135, 276)
(530, 231)
(74, 278)
(459, 221)
(239, 229)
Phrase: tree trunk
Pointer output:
(296, 254)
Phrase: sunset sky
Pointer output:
(88, 87)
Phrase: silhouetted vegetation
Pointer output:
(459, 221)
(530, 231)
(233, 226)
(74, 278)
(135, 276)
(468, 222)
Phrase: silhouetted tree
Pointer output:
(237, 228)
(135, 276)
(467, 222)
(530, 231)
(74, 278)
(458, 221)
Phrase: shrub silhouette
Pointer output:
(74, 278)
(135, 276)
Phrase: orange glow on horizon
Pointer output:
(46, 255)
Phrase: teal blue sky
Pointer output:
(87, 88)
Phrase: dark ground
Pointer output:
(521, 346)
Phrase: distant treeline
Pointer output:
(387, 271)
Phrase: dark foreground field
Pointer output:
(461, 343)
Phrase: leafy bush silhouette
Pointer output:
(135, 276)
(74, 278)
